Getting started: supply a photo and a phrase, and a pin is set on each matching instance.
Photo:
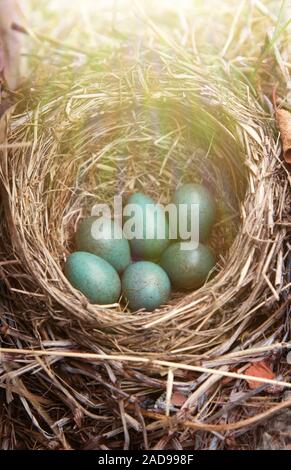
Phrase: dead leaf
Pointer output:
(178, 399)
(259, 369)
(283, 118)
(226, 380)
(10, 42)
(5, 111)
(78, 417)
(4, 105)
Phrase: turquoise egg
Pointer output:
(189, 194)
(108, 242)
(94, 277)
(187, 269)
(151, 221)
(145, 285)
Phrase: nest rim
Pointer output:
(239, 267)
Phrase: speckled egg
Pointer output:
(94, 277)
(187, 268)
(107, 241)
(196, 194)
(145, 285)
(152, 224)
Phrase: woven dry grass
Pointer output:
(95, 374)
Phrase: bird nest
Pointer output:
(102, 375)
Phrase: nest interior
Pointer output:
(146, 125)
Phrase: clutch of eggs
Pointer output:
(102, 268)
